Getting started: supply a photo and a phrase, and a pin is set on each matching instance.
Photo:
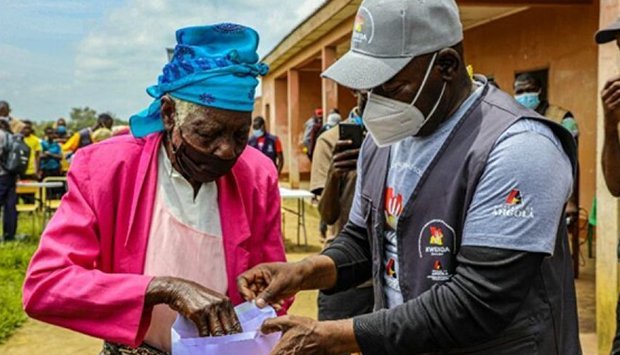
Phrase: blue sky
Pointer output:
(58, 54)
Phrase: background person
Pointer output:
(334, 182)
(267, 143)
(51, 154)
(8, 187)
(610, 97)
(312, 128)
(34, 143)
(84, 137)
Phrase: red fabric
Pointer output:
(87, 274)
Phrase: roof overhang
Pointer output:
(333, 13)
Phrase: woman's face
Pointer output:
(212, 131)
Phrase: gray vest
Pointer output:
(435, 214)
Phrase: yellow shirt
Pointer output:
(71, 145)
(34, 143)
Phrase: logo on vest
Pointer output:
(439, 273)
(513, 207)
(436, 239)
(390, 268)
(364, 27)
(393, 207)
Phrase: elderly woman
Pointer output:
(162, 222)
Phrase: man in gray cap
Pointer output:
(456, 217)
(610, 97)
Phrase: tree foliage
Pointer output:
(79, 118)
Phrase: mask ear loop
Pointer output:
(443, 90)
(426, 76)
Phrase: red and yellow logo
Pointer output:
(393, 207)
(390, 268)
(359, 24)
(514, 198)
(436, 236)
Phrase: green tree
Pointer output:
(82, 117)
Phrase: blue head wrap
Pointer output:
(215, 66)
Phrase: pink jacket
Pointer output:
(87, 274)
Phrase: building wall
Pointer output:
(274, 94)
(557, 38)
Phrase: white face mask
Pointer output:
(390, 121)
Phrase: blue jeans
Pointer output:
(8, 199)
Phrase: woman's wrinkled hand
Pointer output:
(212, 312)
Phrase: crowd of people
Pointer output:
(442, 235)
(43, 157)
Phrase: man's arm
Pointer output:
(72, 144)
(611, 151)
(280, 162)
(611, 159)
(279, 155)
(329, 204)
(37, 161)
(476, 304)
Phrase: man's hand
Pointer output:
(212, 312)
(305, 336)
(345, 158)
(611, 102)
(272, 283)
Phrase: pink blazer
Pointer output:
(87, 274)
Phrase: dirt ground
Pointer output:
(36, 338)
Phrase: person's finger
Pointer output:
(612, 98)
(215, 325)
(269, 294)
(343, 143)
(346, 163)
(347, 154)
(273, 325)
(615, 105)
(236, 324)
(229, 320)
(201, 324)
(610, 82)
(246, 289)
(612, 94)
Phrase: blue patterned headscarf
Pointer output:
(215, 66)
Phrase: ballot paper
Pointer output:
(185, 339)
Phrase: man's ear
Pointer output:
(168, 112)
(450, 63)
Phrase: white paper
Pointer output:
(185, 339)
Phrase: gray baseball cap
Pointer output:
(608, 33)
(388, 34)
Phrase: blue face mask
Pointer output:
(357, 120)
(258, 133)
(530, 100)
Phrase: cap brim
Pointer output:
(608, 34)
(361, 71)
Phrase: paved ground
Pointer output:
(36, 338)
